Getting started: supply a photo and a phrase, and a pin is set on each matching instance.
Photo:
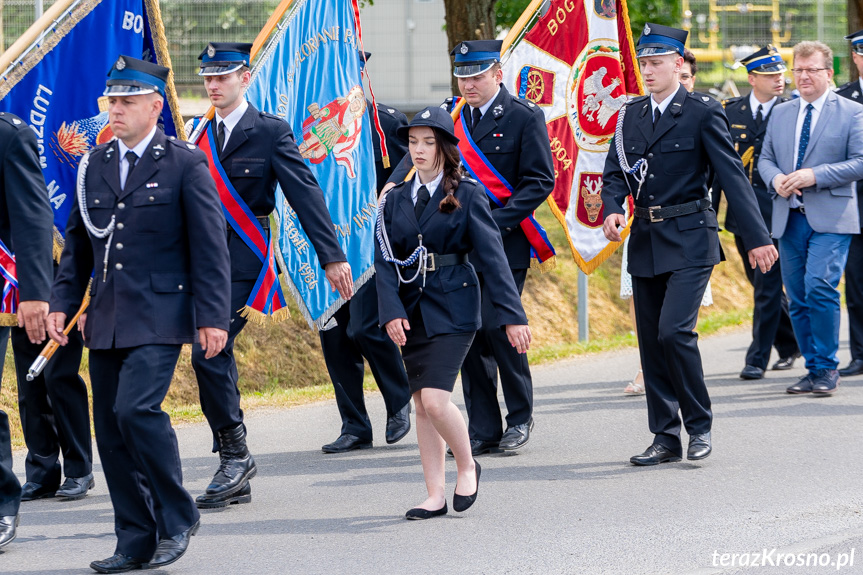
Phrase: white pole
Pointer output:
(583, 319)
(38, 9)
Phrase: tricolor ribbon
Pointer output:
(498, 189)
(266, 298)
(9, 303)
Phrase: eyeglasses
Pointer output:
(808, 71)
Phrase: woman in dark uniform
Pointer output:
(429, 297)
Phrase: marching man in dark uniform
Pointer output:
(748, 116)
(147, 219)
(854, 266)
(256, 151)
(662, 150)
(25, 231)
(356, 333)
(510, 134)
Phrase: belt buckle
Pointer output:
(650, 213)
(802, 209)
(430, 263)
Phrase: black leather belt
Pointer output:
(436, 261)
(658, 213)
(799, 209)
(263, 220)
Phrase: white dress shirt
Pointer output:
(663, 105)
(231, 120)
(765, 106)
(139, 151)
(484, 108)
(431, 186)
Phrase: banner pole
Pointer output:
(33, 32)
(583, 311)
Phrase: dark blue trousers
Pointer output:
(666, 311)
(355, 336)
(10, 487)
(854, 294)
(55, 413)
(489, 354)
(138, 447)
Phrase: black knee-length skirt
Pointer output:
(433, 361)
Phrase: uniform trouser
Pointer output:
(10, 487)
(666, 311)
(491, 350)
(771, 324)
(812, 265)
(138, 447)
(357, 335)
(55, 413)
(854, 294)
(217, 376)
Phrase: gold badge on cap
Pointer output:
(121, 63)
(647, 29)
(211, 51)
(464, 49)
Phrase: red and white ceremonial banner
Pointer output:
(578, 64)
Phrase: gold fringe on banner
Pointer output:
(260, 318)
(8, 319)
(59, 244)
(163, 58)
(33, 58)
(545, 266)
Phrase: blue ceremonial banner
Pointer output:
(310, 75)
(57, 84)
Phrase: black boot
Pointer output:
(231, 482)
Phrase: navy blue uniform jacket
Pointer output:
(260, 153)
(168, 272)
(450, 300)
(692, 135)
(852, 91)
(513, 136)
(26, 219)
(391, 120)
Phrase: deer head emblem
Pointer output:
(590, 190)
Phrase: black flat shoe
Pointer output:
(170, 550)
(463, 502)
(654, 455)
(420, 513)
(118, 563)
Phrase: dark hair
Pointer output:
(689, 58)
(448, 152)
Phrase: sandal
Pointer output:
(636, 387)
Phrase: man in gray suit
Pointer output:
(811, 160)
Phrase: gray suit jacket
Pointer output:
(835, 154)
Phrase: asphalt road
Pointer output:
(782, 487)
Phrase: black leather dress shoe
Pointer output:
(463, 502)
(654, 455)
(8, 527)
(31, 491)
(826, 383)
(399, 424)
(420, 513)
(699, 446)
(752, 372)
(515, 437)
(171, 549)
(785, 363)
(480, 447)
(76, 487)
(346, 442)
(118, 563)
(803, 385)
(853, 368)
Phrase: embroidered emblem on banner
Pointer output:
(335, 129)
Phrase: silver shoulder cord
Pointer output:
(420, 253)
(102, 233)
(639, 170)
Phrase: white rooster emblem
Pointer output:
(598, 104)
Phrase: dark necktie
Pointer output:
(422, 201)
(804, 136)
(759, 117)
(656, 114)
(131, 158)
(476, 116)
(220, 137)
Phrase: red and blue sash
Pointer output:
(9, 303)
(266, 298)
(498, 189)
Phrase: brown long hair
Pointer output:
(448, 152)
